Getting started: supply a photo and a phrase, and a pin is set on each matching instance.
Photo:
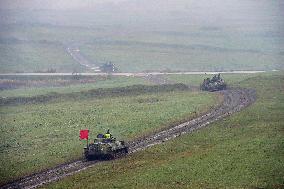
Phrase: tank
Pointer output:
(108, 67)
(214, 84)
(103, 148)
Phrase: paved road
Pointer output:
(138, 74)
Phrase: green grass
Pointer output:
(99, 82)
(38, 136)
(196, 80)
(36, 57)
(244, 150)
(37, 44)
(143, 56)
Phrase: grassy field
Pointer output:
(196, 80)
(38, 136)
(38, 42)
(38, 47)
(71, 85)
(135, 56)
(244, 150)
(36, 57)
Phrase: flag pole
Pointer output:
(87, 141)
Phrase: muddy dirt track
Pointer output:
(233, 101)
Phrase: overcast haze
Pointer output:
(205, 30)
(213, 11)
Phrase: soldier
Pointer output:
(108, 135)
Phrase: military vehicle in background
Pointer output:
(105, 148)
(214, 84)
(108, 67)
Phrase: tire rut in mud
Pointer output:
(234, 101)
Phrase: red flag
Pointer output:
(84, 134)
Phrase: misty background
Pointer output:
(142, 35)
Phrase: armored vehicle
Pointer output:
(105, 148)
(214, 84)
(108, 67)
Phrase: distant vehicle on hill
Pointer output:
(214, 84)
(108, 67)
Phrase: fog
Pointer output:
(211, 26)
(214, 12)
(54, 4)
